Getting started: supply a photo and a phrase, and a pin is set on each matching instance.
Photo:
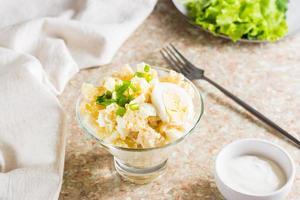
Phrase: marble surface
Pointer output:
(265, 75)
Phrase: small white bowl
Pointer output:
(255, 147)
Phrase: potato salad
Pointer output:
(138, 109)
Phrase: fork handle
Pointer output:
(254, 112)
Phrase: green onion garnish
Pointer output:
(148, 77)
(121, 111)
(140, 74)
(144, 75)
(135, 89)
(122, 93)
(147, 68)
(105, 99)
(134, 106)
(120, 89)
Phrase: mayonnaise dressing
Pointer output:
(253, 175)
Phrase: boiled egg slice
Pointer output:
(173, 103)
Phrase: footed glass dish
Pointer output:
(142, 165)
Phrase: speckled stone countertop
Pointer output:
(265, 75)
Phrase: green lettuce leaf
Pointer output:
(249, 19)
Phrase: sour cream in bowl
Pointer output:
(254, 169)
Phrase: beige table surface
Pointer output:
(265, 75)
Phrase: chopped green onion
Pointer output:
(121, 111)
(107, 102)
(140, 74)
(100, 99)
(148, 77)
(135, 89)
(122, 95)
(122, 100)
(134, 106)
(108, 94)
(130, 97)
(120, 89)
(144, 75)
(147, 68)
(105, 99)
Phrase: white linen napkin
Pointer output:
(42, 45)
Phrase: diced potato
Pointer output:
(125, 73)
(90, 92)
(148, 138)
(172, 77)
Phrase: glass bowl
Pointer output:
(141, 166)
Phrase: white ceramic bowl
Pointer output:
(255, 147)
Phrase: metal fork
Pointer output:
(182, 65)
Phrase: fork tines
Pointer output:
(179, 63)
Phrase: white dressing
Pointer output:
(253, 175)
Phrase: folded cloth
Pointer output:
(42, 45)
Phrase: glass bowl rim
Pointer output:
(108, 145)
